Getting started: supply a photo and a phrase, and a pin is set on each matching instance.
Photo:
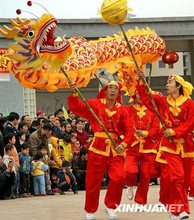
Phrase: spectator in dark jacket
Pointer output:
(65, 178)
(41, 137)
(6, 179)
(79, 166)
(12, 127)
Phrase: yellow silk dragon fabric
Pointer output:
(37, 55)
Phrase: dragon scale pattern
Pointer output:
(36, 60)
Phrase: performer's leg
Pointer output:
(131, 170)
(164, 184)
(178, 194)
(145, 172)
(187, 166)
(155, 170)
(96, 167)
(191, 193)
(116, 182)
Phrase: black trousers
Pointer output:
(5, 189)
(24, 183)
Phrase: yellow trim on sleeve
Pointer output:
(145, 133)
(124, 144)
(75, 94)
(172, 132)
(122, 137)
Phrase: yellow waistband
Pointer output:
(104, 135)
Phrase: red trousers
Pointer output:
(164, 184)
(97, 165)
(161, 170)
(155, 173)
(180, 174)
(191, 193)
(131, 171)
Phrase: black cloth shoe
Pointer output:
(50, 193)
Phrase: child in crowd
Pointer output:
(38, 174)
(55, 163)
(73, 137)
(10, 139)
(65, 145)
(89, 139)
(22, 139)
(76, 148)
(7, 177)
(8, 156)
(79, 165)
(61, 153)
(66, 179)
(25, 170)
(8, 159)
(46, 161)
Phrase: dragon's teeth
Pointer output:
(38, 48)
(58, 39)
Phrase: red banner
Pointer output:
(3, 60)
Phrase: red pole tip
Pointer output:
(18, 12)
(29, 3)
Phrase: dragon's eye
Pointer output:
(31, 34)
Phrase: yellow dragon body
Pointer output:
(37, 54)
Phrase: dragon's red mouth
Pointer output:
(46, 41)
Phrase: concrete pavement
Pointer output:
(70, 207)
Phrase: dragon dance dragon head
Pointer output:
(36, 44)
(37, 56)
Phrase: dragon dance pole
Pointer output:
(115, 12)
(150, 73)
(89, 108)
(143, 78)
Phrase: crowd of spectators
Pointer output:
(42, 156)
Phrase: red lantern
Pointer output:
(170, 58)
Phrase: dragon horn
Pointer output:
(9, 33)
(12, 32)
(20, 23)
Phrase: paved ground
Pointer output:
(70, 207)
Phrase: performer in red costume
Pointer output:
(102, 156)
(142, 151)
(176, 147)
(191, 192)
